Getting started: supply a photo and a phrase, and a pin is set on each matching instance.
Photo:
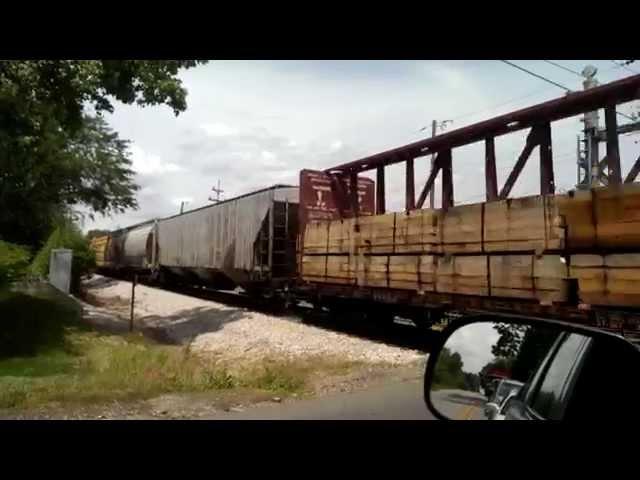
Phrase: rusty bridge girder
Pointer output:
(537, 118)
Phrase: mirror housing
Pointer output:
(593, 342)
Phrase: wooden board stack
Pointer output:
(524, 248)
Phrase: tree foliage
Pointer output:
(448, 371)
(14, 260)
(522, 347)
(89, 168)
(54, 154)
(535, 345)
(510, 340)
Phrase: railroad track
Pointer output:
(400, 333)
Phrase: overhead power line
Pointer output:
(553, 83)
(536, 75)
(563, 67)
(470, 114)
(624, 65)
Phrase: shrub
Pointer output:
(14, 261)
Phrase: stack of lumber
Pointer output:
(523, 224)
(603, 233)
(525, 248)
(608, 279)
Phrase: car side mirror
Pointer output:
(560, 369)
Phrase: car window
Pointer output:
(549, 401)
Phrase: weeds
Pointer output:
(47, 355)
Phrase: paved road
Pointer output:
(459, 404)
(396, 401)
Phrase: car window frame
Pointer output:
(541, 374)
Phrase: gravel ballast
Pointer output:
(234, 333)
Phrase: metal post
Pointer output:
(532, 142)
(547, 184)
(430, 181)
(491, 179)
(633, 173)
(133, 300)
(591, 126)
(447, 180)
(353, 192)
(410, 195)
(380, 194)
(434, 127)
(613, 149)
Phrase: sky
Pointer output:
(473, 342)
(252, 124)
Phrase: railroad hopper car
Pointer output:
(247, 241)
(99, 245)
(127, 249)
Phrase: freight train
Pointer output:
(248, 241)
(330, 241)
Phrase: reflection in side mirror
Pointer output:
(519, 370)
(490, 410)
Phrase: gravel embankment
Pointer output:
(237, 332)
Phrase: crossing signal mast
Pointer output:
(592, 170)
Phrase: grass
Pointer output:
(47, 355)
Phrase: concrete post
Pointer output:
(60, 269)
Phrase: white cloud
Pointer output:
(218, 129)
(336, 145)
(150, 164)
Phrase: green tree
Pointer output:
(14, 261)
(88, 168)
(448, 371)
(55, 153)
(525, 346)
(535, 345)
(510, 340)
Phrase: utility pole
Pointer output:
(182, 204)
(217, 191)
(434, 130)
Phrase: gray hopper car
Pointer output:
(247, 241)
